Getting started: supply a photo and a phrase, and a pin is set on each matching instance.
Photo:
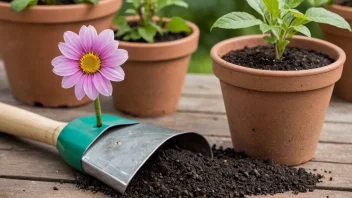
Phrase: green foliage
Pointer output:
(148, 28)
(19, 5)
(280, 21)
(318, 3)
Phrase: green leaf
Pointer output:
(273, 7)
(147, 33)
(131, 11)
(265, 28)
(282, 46)
(165, 3)
(93, 1)
(178, 25)
(156, 27)
(236, 20)
(318, 3)
(300, 18)
(322, 15)
(19, 5)
(302, 29)
(135, 3)
(123, 26)
(270, 40)
(258, 6)
(293, 3)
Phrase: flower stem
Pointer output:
(98, 112)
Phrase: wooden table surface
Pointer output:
(29, 169)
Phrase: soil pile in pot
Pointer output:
(158, 38)
(263, 57)
(346, 3)
(173, 172)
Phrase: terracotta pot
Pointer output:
(29, 41)
(155, 75)
(342, 38)
(276, 115)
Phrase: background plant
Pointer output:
(280, 20)
(148, 27)
(19, 5)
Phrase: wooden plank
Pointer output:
(36, 160)
(204, 123)
(36, 189)
(11, 188)
(202, 85)
(315, 194)
(326, 152)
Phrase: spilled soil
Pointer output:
(263, 57)
(174, 172)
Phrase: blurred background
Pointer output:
(204, 13)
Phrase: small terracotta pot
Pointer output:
(29, 41)
(155, 75)
(276, 115)
(342, 38)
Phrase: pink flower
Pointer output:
(89, 62)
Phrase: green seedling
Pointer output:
(148, 27)
(280, 21)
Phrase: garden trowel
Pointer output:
(112, 153)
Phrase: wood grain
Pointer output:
(11, 188)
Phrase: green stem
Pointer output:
(277, 53)
(98, 112)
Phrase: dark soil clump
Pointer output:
(158, 38)
(347, 3)
(172, 172)
(263, 57)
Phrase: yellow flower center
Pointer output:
(90, 63)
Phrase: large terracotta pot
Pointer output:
(276, 115)
(342, 38)
(29, 41)
(155, 75)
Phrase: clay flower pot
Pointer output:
(343, 39)
(29, 41)
(276, 115)
(155, 74)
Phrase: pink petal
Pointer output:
(89, 88)
(88, 37)
(79, 90)
(70, 81)
(102, 84)
(66, 69)
(69, 52)
(73, 41)
(104, 40)
(62, 61)
(114, 74)
(119, 57)
(57, 60)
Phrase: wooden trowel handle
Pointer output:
(19, 122)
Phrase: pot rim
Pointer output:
(195, 33)
(61, 13)
(344, 11)
(341, 7)
(258, 72)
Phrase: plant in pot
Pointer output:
(343, 39)
(159, 53)
(29, 35)
(277, 87)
